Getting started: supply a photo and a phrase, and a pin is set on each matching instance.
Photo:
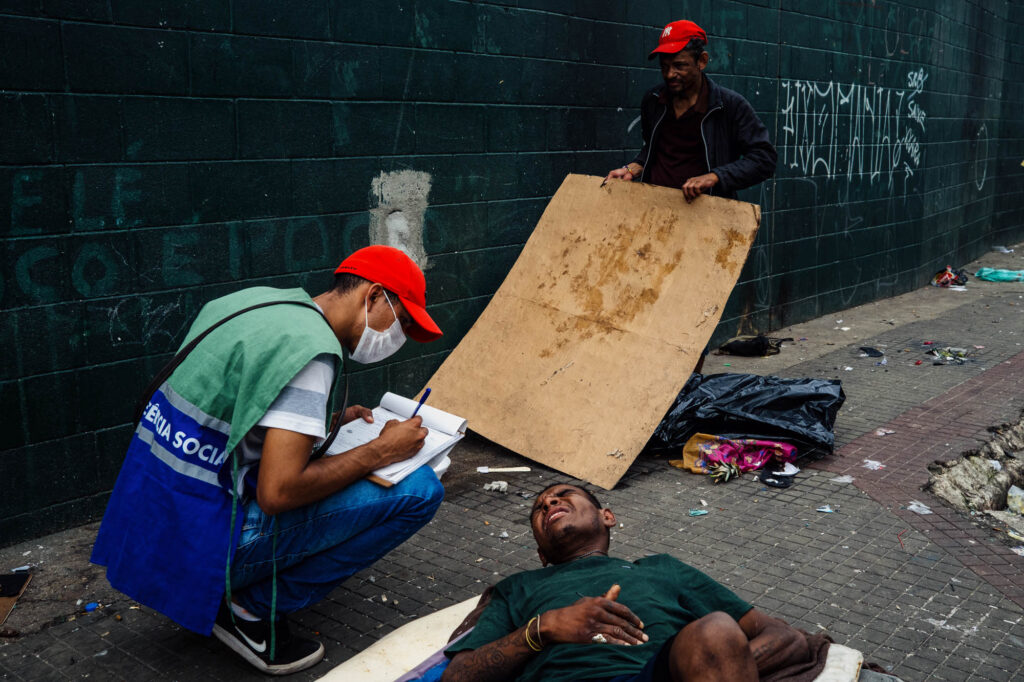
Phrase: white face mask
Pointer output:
(373, 345)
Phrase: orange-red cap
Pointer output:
(393, 269)
(676, 35)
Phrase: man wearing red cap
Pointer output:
(224, 516)
(697, 135)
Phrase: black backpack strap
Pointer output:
(167, 370)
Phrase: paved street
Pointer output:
(936, 597)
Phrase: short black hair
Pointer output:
(345, 282)
(590, 496)
(695, 48)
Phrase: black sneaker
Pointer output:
(251, 641)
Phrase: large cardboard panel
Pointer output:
(598, 325)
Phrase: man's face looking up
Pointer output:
(563, 518)
(682, 73)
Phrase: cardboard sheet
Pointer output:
(598, 325)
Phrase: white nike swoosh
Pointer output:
(258, 648)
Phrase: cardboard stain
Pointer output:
(598, 325)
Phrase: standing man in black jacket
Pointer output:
(699, 136)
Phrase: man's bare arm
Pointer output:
(504, 659)
(288, 479)
(773, 642)
(500, 660)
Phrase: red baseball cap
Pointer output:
(676, 35)
(398, 273)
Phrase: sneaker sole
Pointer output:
(255, 661)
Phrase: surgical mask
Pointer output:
(373, 345)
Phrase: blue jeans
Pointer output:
(320, 545)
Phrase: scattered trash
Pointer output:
(703, 503)
(9, 632)
(78, 603)
(979, 347)
(1019, 551)
(384, 598)
(995, 464)
(102, 653)
(525, 495)
(22, 569)
(503, 534)
(848, 368)
(1001, 249)
(775, 480)
(845, 478)
(927, 343)
(884, 432)
(26, 553)
(949, 277)
(957, 287)
(721, 472)
(918, 362)
(616, 453)
(949, 354)
(827, 509)
(842, 329)
(698, 512)
(500, 470)
(882, 363)
(91, 606)
(997, 275)
(373, 579)
(752, 346)
(789, 469)
(869, 352)
(803, 338)
(872, 464)
(919, 507)
(1015, 500)
(12, 586)
(497, 486)
(899, 536)
(1015, 535)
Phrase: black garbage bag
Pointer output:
(798, 411)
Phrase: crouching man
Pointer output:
(224, 516)
(589, 616)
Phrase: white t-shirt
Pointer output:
(301, 407)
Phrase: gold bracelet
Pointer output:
(539, 640)
(529, 642)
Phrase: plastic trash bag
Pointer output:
(995, 275)
(799, 411)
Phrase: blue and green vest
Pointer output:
(166, 535)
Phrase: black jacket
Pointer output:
(735, 141)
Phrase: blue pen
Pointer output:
(422, 400)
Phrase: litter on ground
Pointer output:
(919, 507)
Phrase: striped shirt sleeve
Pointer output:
(302, 404)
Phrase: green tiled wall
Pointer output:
(156, 155)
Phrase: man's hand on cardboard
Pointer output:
(619, 174)
(592, 616)
(696, 186)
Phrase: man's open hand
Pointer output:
(593, 616)
(400, 440)
(694, 187)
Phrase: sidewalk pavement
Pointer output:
(936, 597)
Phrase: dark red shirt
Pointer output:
(679, 154)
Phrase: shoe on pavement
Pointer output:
(251, 641)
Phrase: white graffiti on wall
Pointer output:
(860, 132)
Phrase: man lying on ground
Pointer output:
(588, 616)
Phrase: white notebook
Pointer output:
(444, 431)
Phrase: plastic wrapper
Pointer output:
(798, 411)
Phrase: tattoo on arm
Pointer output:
(502, 659)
